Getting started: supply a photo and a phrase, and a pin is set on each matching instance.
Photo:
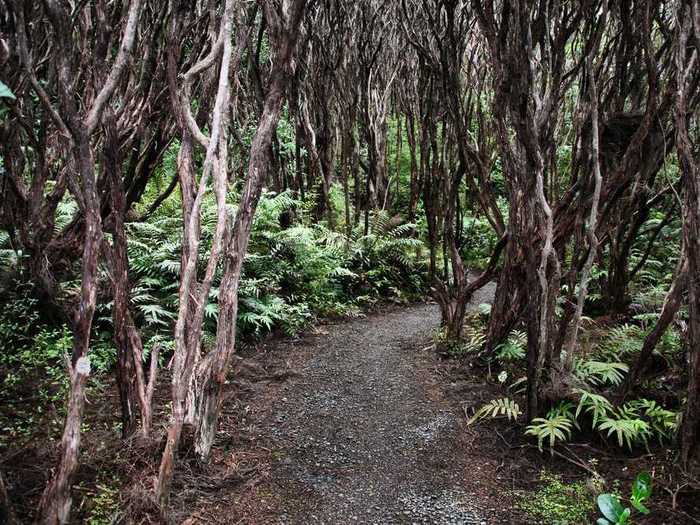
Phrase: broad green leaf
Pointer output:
(641, 488)
(5, 92)
(610, 507)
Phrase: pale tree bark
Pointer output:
(211, 372)
(56, 500)
(592, 225)
(193, 294)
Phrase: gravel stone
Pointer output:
(361, 438)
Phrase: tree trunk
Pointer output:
(56, 501)
(591, 226)
(134, 389)
(193, 294)
(688, 17)
(672, 303)
(346, 163)
(214, 367)
(118, 264)
(7, 514)
(414, 185)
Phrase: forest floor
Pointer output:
(355, 424)
(361, 421)
(355, 421)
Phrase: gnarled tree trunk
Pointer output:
(212, 371)
(688, 25)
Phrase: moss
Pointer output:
(558, 503)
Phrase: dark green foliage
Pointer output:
(478, 240)
(290, 275)
(613, 511)
(30, 349)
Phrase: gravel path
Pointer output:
(363, 435)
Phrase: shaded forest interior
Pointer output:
(180, 181)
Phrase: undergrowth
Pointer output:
(293, 274)
(556, 502)
(600, 367)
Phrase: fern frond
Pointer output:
(628, 430)
(514, 347)
(601, 372)
(504, 407)
(594, 404)
(552, 428)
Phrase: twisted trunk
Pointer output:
(55, 503)
(688, 16)
(211, 373)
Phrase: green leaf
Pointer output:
(5, 92)
(639, 506)
(610, 507)
(641, 488)
(603, 521)
(641, 491)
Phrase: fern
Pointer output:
(65, 213)
(9, 258)
(565, 409)
(594, 404)
(553, 428)
(622, 340)
(155, 314)
(474, 339)
(652, 296)
(662, 423)
(629, 430)
(600, 372)
(514, 347)
(498, 407)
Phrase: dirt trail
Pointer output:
(362, 432)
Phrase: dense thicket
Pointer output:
(178, 175)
